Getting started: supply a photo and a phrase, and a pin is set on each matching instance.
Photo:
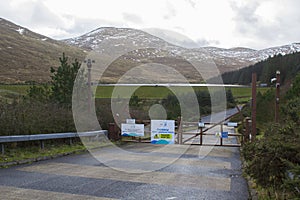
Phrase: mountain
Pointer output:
(28, 56)
(226, 59)
(242, 56)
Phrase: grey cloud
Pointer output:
(35, 15)
(32, 15)
(171, 11)
(289, 21)
(245, 16)
(191, 2)
(19, 15)
(179, 39)
(132, 18)
(84, 25)
(283, 29)
(41, 16)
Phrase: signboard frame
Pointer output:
(135, 130)
(162, 131)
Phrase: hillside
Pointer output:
(27, 56)
(288, 65)
(225, 59)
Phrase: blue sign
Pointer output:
(224, 135)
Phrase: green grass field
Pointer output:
(142, 92)
(240, 94)
(243, 95)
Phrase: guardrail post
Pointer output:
(42, 144)
(70, 141)
(2, 149)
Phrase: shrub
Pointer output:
(267, 158)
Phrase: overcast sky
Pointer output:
(255, 24)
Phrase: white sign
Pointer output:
(232, 124)
(130, 121)
(201, 125)
(162, 131)
(132, 130)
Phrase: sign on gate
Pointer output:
(232, 124)
(132, 130)
(224, 135)
(130, 121)
(162, 131)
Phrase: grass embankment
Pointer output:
(19, 89)
(9, 93)
(15, 154)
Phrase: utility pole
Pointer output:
(253, 126)
(277, 96)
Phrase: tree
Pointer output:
(39, 93)
(295, 90)
(230, 98)
(273, 160)
(267, 158)
(63, 80)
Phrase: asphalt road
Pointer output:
(173, 172)
(220, 115)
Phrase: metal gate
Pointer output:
(221, 133)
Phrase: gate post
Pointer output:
(253, 125)
(113, 133)
(201, 135)
(179, 135)
(221, 139)
(247, 131)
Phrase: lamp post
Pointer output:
(277, 96)
(253, 126)
(89, 67)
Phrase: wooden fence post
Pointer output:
(2, 149)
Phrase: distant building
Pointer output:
(263, 85)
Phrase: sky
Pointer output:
(255, 24)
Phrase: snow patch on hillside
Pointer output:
(20, 30)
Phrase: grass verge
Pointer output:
(19, 155)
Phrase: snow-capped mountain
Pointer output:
(225, 59)
(28, 56)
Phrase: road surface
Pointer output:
(196, 174)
